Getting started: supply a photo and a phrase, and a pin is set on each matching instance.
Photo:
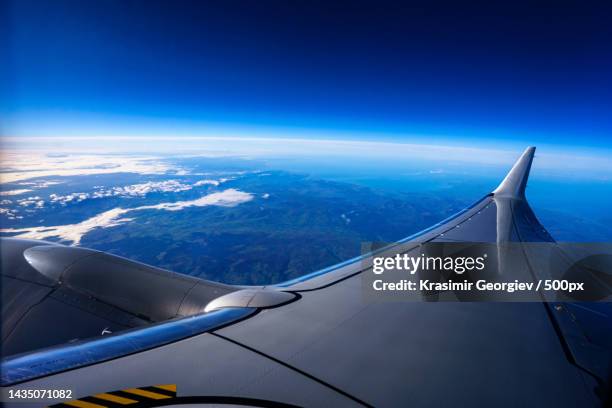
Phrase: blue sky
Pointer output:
(447, 73)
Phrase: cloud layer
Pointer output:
(75, 232)
(134, 190)
(24, 165)
(14, 192)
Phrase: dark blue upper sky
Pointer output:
(540, 71)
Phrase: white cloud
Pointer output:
(23, 165)
(14, 192)
(346, 219)
(72, 232)
(111, 218)
(41, 183)
(134, 190)
(68, 198)
(10, 214)
(265, 196)
(31, 201)
(226, 198)
(207, 182)
(139, 190)
(213, 182)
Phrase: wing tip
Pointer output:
(515, 182)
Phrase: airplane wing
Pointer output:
(311, 341)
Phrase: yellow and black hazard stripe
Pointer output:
(132, 397)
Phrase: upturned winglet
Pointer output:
(515, 182)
